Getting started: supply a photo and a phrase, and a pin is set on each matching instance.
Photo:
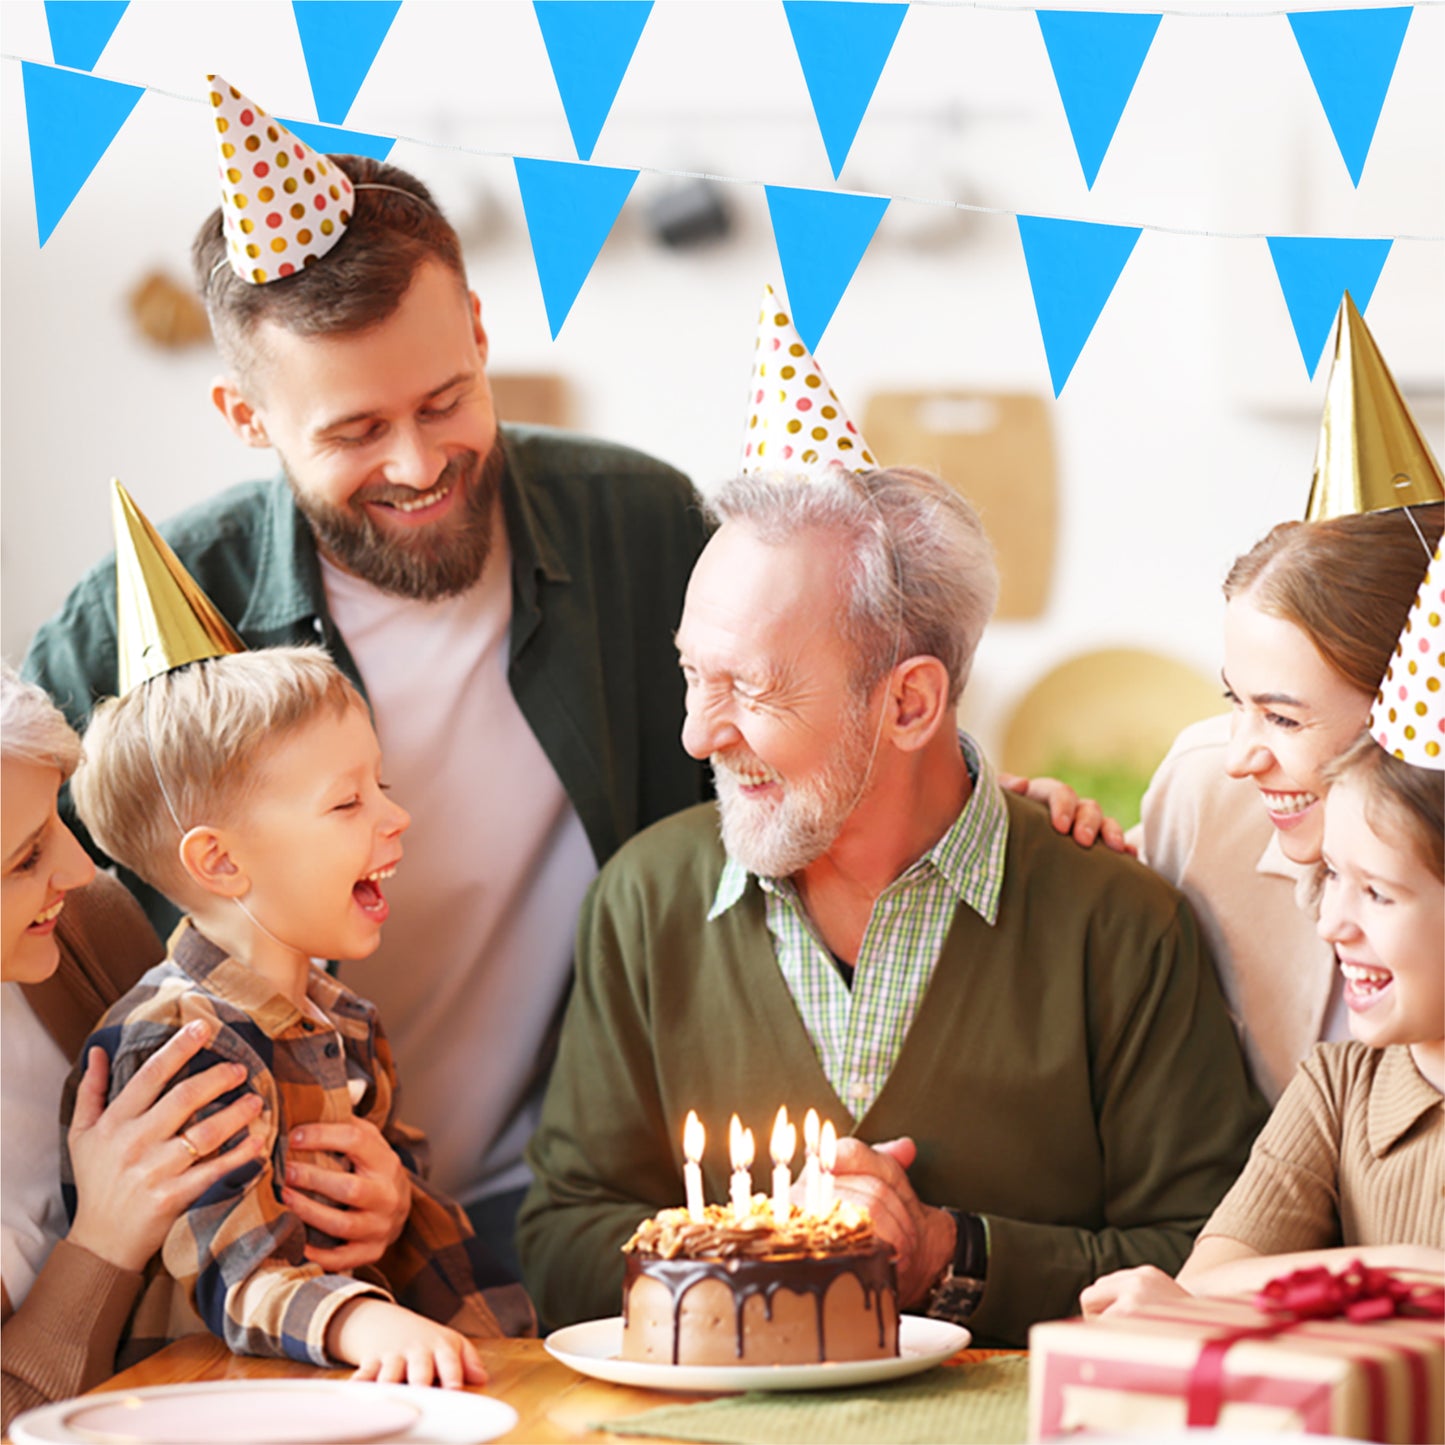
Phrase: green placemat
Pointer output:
(979, 1403)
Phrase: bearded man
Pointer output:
(505, 597)
(1023, 1040)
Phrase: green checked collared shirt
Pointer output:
(858, 1032)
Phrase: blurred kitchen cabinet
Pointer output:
(997, 449)
(542, 397)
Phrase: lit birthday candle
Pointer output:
(827, 1160)
(740, 1148)
(782, 1147)
(811, 1179)
(694, 1140)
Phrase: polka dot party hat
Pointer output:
(282, 205)
(1408, 718)
(795, 421)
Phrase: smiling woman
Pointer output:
(69, 948)
(1314, 611)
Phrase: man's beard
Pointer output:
(776, 839)
(426, 564)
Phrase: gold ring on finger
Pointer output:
(186, 1140)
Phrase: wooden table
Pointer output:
(552, 1402)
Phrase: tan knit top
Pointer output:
(63, 1338)
(1354, 1154)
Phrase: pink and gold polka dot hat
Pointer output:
(282, 205)
(795, 421)
(1408, 718)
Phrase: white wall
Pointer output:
(1186, 430)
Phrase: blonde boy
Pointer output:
(248, 789)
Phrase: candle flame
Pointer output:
(740, 1145)
(694, 1138)
(784, 1142)
(810, 1131)
(828, 1147)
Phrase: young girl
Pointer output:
(1349, 1164)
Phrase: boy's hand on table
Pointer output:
(372, 1200)
(395, 1346)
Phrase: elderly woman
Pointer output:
(70, 945)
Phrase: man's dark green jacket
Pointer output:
(603, 540)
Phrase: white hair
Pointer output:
(920, 578)
(32, 728)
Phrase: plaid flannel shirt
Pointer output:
(234, 1262)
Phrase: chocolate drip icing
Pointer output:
(812, 1274)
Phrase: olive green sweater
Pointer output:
(1071, 1075)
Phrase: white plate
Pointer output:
(593, 1349)
(267, 1412)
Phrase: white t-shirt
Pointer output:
(32, 1073)
(477, 953)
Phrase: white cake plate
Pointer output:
(268, 1412)
(593, 1348)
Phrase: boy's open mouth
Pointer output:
(367, 892)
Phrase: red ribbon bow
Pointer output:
(1358, 1294)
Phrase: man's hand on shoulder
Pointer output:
(923, 1237)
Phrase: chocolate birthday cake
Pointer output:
(758, 1291)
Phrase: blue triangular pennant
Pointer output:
(1351, 56)
(71, 119)
(821, 237)
(1096, 56)
(79, 29)
(340, 39)
(590, 45)
(333, 140)
(570, 210)
(1314, 274)
(1073, 266)
(843, 46)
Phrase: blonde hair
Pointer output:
(920, 577)
(1400, 799)
(1346, 583)
(32, 728)
(192, 741)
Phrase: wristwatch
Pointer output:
(959, 1288)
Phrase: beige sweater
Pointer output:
(63, 1338)
(1208, 835)
(1353, 1155)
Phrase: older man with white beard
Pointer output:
(1023, 1040)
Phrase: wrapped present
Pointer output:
(1359, 1354)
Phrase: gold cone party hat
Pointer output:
(1371, 455)
(1408, 718)
(162, 619)
(282, 205)
(795, 421)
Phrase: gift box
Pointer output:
(1242, 1364)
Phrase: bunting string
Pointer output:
(1001, 5)
(842, 48)
(482, 153)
